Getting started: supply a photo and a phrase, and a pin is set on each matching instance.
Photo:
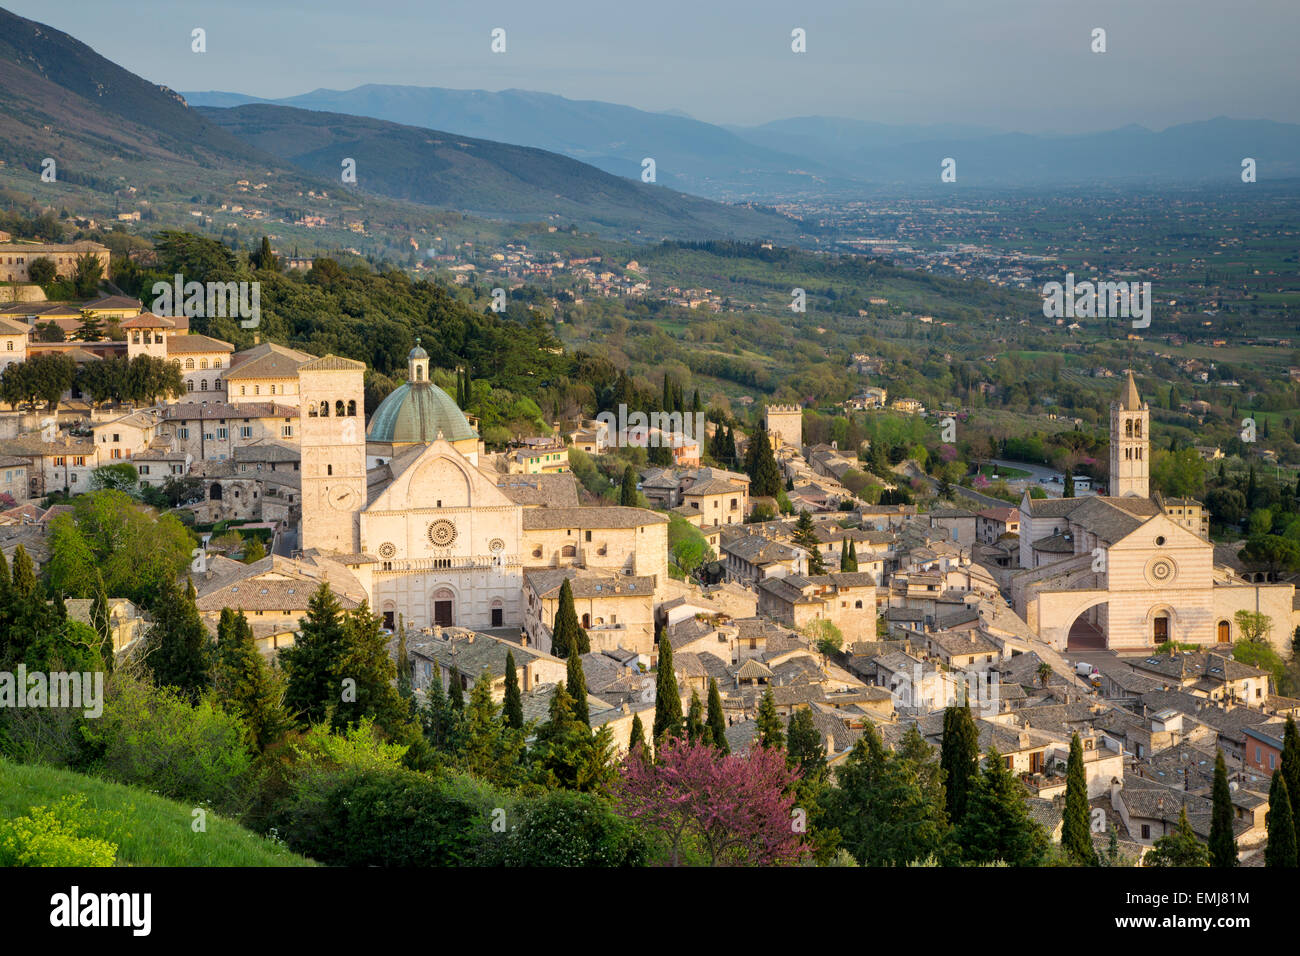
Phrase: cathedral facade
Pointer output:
(1130, 570)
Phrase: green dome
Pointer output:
(416, 413)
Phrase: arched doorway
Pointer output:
(215, 492)
(444, 607)
(1088, 631)
(1224, 633)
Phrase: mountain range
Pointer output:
(829, 156)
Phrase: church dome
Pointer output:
(417, 412)
(418, 352)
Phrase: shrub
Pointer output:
(573, 829)
(53, 836)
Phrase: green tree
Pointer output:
(487, 747)
(805, 536)
(567, 754)
(567, 635)
(804, 746)
(1076, 832)
(668, 700)
(1223, 845)
(637, 736)
(177, 650)
(770, 732)
(695, 718)
(716, 720)
(959, 759)
(761, 466)
(1180, 848)
(311, 663)
(24, 574)
(101, 623)
(1281, 850)
(244, 684)
(627, 490)
(996, 825)
(576, 681)
(1290, 765)
(512, 708)
(365, 677)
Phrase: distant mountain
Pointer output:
(830, 156)
(689, 155)
(484, 178)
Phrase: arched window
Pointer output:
(311, 411)
(338, 408)
(189, 385)
(1128, 428)
(216, 363)
(857, 605)
(586, 620)
(189, 365)
(216, 384)
(419, 373)
(203, 385)
(568, 551)
(324, 409)
(1137, 428)
(203, 363)
(352, 408)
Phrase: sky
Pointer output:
(1022, 65)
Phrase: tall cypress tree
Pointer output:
(695, 718)
(716, 720)
(567, 636)
(959, 759)
(512, 707)
(1281, 850)
(311, 663)
(844, 554)
(637, 737)
(455, 693)
(1223, 845)
(770, 732)
(668, 700)
(1290, 764)
(1076, 832)
(404, 688)
(24, 575)
(764, 475)
(627, 491)
(576, 681)
(853, 556)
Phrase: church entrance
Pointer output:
(1088, 632)
(1161, 629)
(442, 607)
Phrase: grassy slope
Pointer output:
(149, 830)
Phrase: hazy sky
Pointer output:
(1013, 64)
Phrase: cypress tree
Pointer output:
(1290, 764)
(695, 718)
(959, 759)
(764, 475)
(804, 746)
(404, 689)
(24, 575)
(668, 701)
(567, 635)
(576, 682)
(627, 491)
(844, 554)
(455, 694)
(1223, 845)
(1076, 832)
(637, 737)
(311, 663)
(1281, 849)
(730, 449)
(716, 721)
(853, 556)
(435, 718)
(512, 707)
(770, 732)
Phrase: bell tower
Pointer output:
(1130, 444)
(332, 428)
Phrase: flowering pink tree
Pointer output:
(735, 810)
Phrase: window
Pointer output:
(338, 408)
(189, 365)
(183, 433)
(117, 453)
(286, 431)
(203, 363)
(203, 385)
(352, 409)
(588, 533)
(243, 390)
(216, 363)
(272, 389)
(257, 389)
(10, 345)
(1146, 831)
(189, 385)
(324, 409)
(245, 431)
(216, 384)
(329, 469)
(221, 433)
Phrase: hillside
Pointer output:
(148, 830)
(485, 178)
(692, 156)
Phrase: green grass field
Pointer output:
(148, 830)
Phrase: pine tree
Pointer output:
(1076, 832)
(567, 635)
(245, 684)
(365, 662)
(695, 718)
(805, 535)
(627, 491)
(24, 575)
(716, 720)
(178, 652)
(804, 746)
(576, 682)
(1223, 845)
(668, 700)
(1281, 850)
(770, 732)
(959, 759)
(512, 707)
(485, 746)
(311, 663)
(997, 825)
(99, 620)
